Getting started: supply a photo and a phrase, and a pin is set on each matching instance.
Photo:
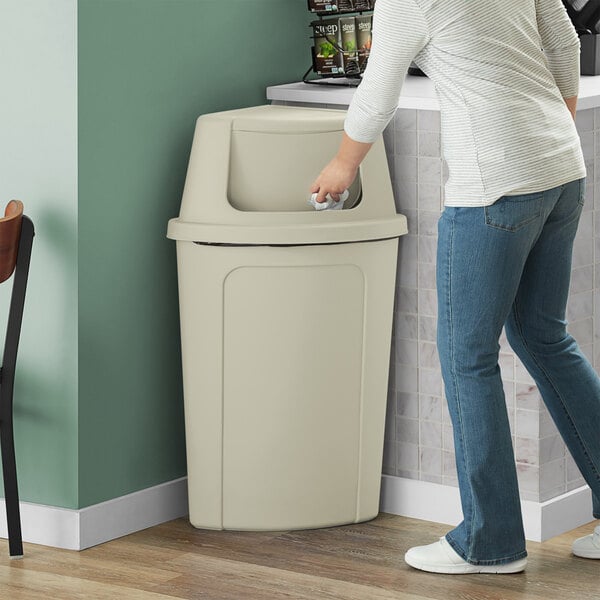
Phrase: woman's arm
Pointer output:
(339, 174)
(561, 45)
(400, 31)
(571, 105)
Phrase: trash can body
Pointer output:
(286, 320)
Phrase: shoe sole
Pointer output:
(587, 554)
(514, 567)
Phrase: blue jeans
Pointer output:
(509, 264)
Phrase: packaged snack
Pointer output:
(341, 6)
(353, 5)
(364, 26)
(323, 5)
(326, 54)
(349, 45)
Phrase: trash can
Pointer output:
(286, 320)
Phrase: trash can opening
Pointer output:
(272, 172)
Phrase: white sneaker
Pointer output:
(588, 546)
(440, 557)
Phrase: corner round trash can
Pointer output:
(286, 319)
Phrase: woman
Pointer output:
(507, 77)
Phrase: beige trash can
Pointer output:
(286, 319)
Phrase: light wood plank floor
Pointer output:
(349, 562)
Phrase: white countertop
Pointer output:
(417, 92)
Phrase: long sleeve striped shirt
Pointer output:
(501, 69)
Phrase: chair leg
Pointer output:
(11, 493)
(7, 373)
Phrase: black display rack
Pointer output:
(346, 79)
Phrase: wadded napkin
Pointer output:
(330, 203)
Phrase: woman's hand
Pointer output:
(336, 177)
(341, 171)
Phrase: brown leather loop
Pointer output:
(10, 232)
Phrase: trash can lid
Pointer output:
(275, 118)
(319, 230)
(250, 173)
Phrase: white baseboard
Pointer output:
(441, 503)
(80, 529)
(134, 512)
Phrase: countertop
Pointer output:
(417, 92)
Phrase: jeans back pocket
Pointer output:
(511, 213)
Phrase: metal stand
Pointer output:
(346, 80)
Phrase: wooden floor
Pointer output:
(350, 562)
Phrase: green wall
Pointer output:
(146, 70)
(38, 165)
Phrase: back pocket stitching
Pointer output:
(537, 198)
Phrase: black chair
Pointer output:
(16, 239)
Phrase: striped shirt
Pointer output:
(501, 69)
